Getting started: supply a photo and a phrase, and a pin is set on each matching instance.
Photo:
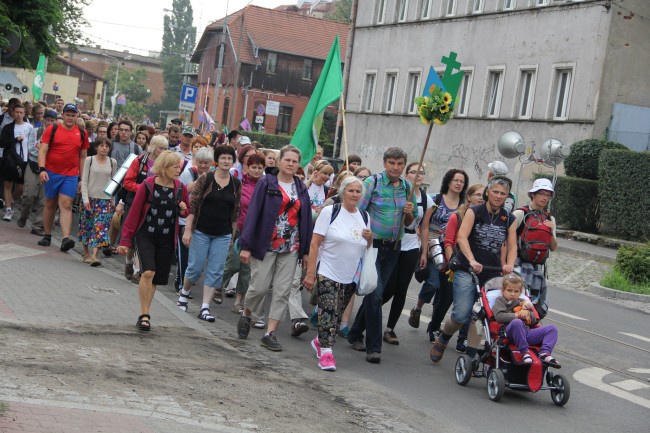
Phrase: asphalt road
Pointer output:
(604, 349)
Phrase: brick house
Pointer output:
(270, 55)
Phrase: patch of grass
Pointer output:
(616, 280)
(3, 408)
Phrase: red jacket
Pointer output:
(140, 207)
(131, 178)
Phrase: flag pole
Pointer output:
(345, 135)
(410, 194)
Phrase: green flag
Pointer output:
(39, 78)
(327, 90)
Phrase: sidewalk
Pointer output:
(44, 288)
(585, 249)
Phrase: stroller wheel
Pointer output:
(561, 390)
(463, 370)
(496, 384)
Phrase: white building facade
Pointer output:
(545, 68)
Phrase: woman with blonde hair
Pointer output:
(152, 228)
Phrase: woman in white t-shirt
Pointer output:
(340, 238)
(409, 258)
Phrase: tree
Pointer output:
(341, 11)
(130, 84)
(179, 37)
(42, 25)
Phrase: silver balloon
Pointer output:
(511, 144)
(553, 152)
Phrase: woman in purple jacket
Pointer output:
(276, 234)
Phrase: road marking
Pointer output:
(423, 319)
(593, 377)
(13, 251)
(630, 385)
(570, 316)
(636, 336)
(639, 370)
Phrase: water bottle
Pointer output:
(436, 253)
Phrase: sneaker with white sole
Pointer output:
(259, 324)
(326, 362)
(315, 344)
(8, 214)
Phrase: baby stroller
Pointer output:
(500, 361)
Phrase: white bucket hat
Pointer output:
(541, 184)
(499, 168)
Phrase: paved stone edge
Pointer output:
(586, 254)
(606, 292)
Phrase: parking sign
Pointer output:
(188, 97)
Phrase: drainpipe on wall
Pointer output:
(346, 77)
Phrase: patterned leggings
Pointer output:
(333, 297)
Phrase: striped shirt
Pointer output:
(385, 205)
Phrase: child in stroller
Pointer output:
(518, 316)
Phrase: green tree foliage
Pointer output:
(583, 160)
(132, 84)
(42, 25)
(623, 193)
(179, 38)
(341, 11)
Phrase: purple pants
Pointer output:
(522, 337)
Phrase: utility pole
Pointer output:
(222, 49)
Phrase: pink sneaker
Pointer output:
(316, 346)
(327, 362)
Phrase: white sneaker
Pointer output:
(8, 214)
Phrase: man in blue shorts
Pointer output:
(59, 171)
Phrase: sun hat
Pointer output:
(541, 184)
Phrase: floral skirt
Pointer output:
(95, 224)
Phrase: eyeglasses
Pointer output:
(363, 177)
(419, 173)
(124, 130)
(459, 181)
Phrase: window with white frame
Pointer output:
(307, 68)
(412, 92)
(369, 91)
(493, 93)
(462, 98)
(426, 9)
(380, 11)
(271, 63)
(477, 6)
(390, 87)
(508, 5)
(562, 83)
(525, 93)
(541, 2)
(402, 10)
(450, 10)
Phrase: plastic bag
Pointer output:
(368, 278)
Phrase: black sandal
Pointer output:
(143, 323)
(205, 315)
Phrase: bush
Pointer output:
(634, 263)
(272, 141)
(575, 205)
(583, 160)
(616, 280)
(623, 193)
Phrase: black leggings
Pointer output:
(398, 284)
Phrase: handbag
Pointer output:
(368, 275)
(13, 167)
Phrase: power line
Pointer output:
(126, 25)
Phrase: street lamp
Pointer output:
(117, 74)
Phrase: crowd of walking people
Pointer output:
(225, 208)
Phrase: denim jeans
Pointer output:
(431, 285)
(215, 249)
(464, 297)
(369, 317)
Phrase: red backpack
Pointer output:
(534, 237)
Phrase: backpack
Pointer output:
(336, 209)
(56, 126)
(534, 237)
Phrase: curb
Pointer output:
(586, 254)
(606, 292)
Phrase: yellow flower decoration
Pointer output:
(437, 122)
(444, 108)
(436, 107)
(446, 98)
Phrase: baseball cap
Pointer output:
(177, 121)
(542, 184)
(51, 113)
(188, 130)
(70, 107)
(244, 140)
(499, 168)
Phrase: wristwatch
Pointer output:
(41, 170)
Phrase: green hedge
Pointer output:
(634, 263)
(272, 141)
(624, 194)
(583, 160)
(575, 205)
